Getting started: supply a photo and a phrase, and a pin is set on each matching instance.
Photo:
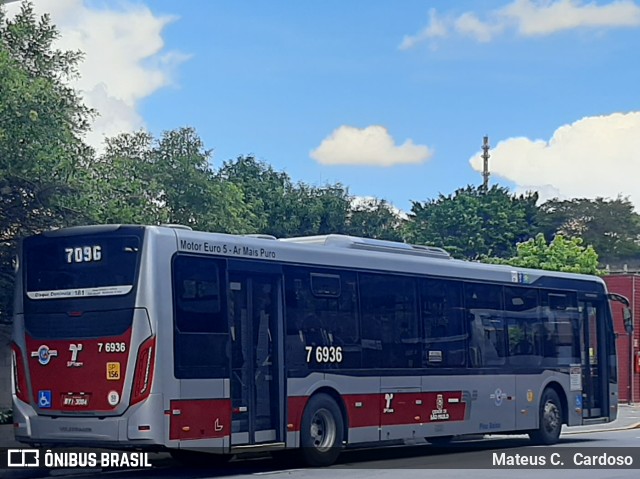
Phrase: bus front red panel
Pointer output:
(83, 375)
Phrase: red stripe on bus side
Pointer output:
(295, 408)
(375, 410)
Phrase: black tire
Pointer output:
(322, 431)
(197, 459)
(550, 419)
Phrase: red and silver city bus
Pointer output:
(161, 337)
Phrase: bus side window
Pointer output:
(390, 329)
(443, 326)
(314, 332)
(483, 303)
(321, 311)
(524, 325)
(197, 296)
(201, 332)
(561, 323)
(295, 340)
(486, 338)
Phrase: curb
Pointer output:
(590, 431)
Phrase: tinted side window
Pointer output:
(321, 311)
(443, 323)
(198, 295)
(525, 330)
(483, 304)
(561, 319)
(390, 329)
(201, 326)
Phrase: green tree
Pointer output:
(169, 180)
(284, 209)
(472, 223)
(375, 218)
(192, 193)
(611, 226)
(561, 254)
(267, 193)
(318, 210)
(121, 186)
(42, 122)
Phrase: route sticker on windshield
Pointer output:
(113, 371)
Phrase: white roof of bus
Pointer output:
(365, 253)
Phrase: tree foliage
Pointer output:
(471, 223)
(267, 193)
(375, 218)
(283, 208)
(144, 180)
(42, 122)
(120, 186)
(611, 226)
(319, 210)
(561, 254)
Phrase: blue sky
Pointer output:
(391, 99)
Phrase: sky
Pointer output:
(391, 99)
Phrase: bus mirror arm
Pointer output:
(628, 320)
(619, 298)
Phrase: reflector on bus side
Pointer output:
(19, 377)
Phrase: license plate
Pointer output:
(75, 400)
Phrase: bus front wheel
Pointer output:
(550, 419)
(322, 431)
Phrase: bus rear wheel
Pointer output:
(550, 419)
(322, 431)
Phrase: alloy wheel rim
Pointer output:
(551, 417)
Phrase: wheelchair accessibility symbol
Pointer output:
(44, 399)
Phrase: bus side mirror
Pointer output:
(626, 310)
(628, 320)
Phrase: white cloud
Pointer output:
(531, 18)
(545, 17)
(436, 28)
(593, 157)
(469, 24)
(370, 146)
(124, 58)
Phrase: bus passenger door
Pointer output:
(594, 358)
(257, 383)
